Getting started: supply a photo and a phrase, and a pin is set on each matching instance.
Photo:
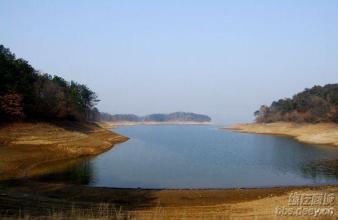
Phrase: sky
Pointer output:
(220, 58)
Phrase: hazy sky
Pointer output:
(221, 58)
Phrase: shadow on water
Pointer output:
(69, 180)
(62, 190)
(82, 172)
(77, 171)
(320, 169)
(30, 198)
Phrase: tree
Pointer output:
(25, 91)
(262, 113)
(317, 104)
(11, 105)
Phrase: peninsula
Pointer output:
(310, 116)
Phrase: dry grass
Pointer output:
(168, 204)
(321, 133)
(102, 211)
(257, 209)
(263, 208)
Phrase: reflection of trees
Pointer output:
(288, 156)
(78, 172)
(320, 169)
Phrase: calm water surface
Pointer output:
(192, 156)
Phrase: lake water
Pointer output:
(193, 156)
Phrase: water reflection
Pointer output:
(320, 169)
(200, 157)
(74, 172)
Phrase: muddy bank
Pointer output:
(25, 145)
(321, 133)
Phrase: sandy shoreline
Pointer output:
(26, 145)
(321, 133)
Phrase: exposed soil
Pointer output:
(321, 133)
(25, 145)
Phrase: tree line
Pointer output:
(317, 104)
(176, 116)
(25, 93)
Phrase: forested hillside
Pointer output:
(172, 117)
(318, 104)
(25, 93)
(178, 116)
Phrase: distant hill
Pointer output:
(172, 117)
(317, 104)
